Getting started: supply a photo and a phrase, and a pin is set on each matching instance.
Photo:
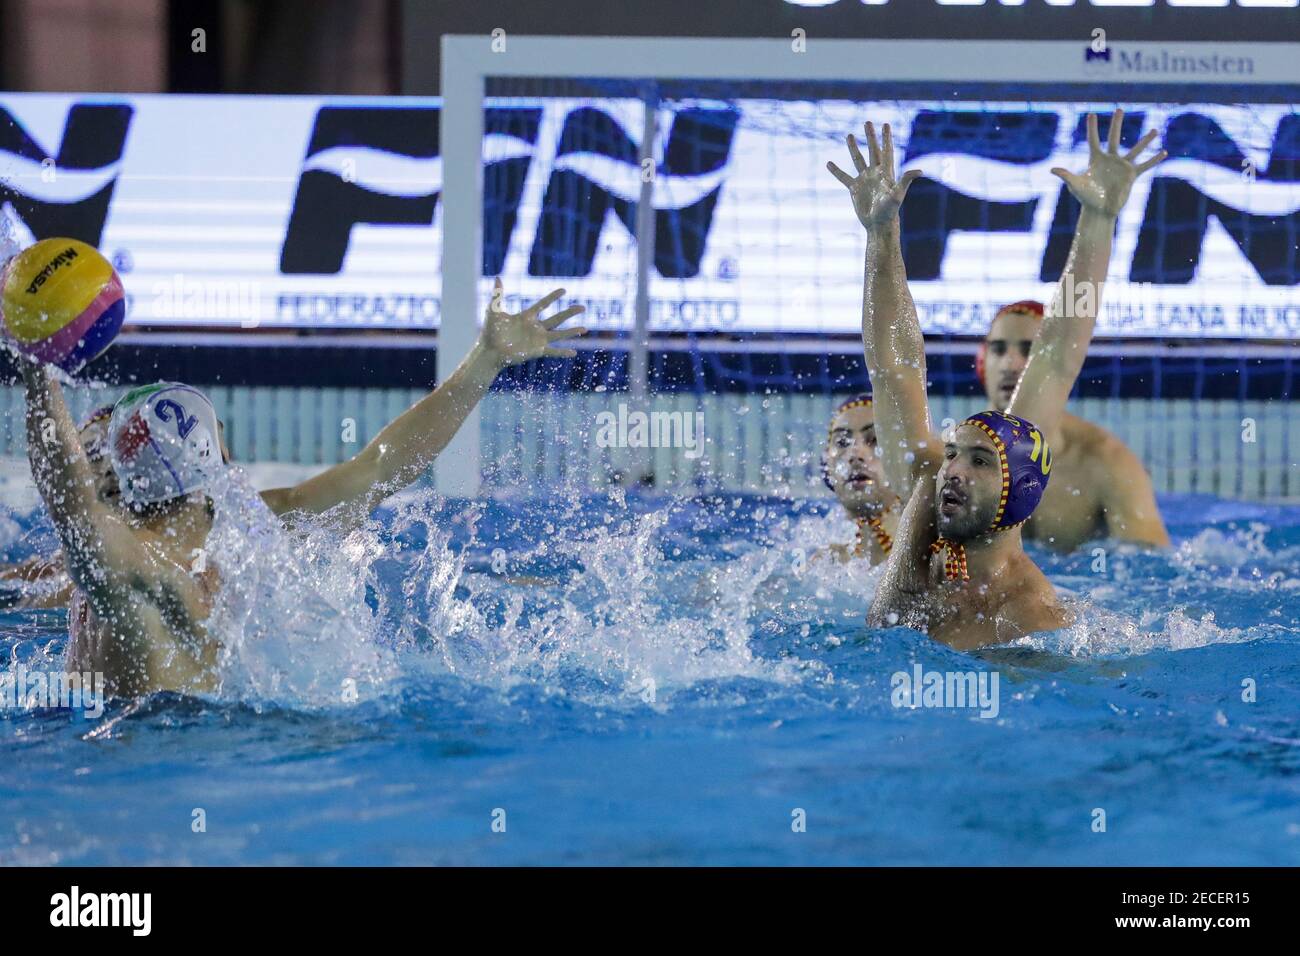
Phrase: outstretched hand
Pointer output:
(1104, 186)
(522, 336)
(876, 195)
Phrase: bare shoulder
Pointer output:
(1102, 450)
(1035, 614)
(1032, 607)
(174, 575)
(1117, 457)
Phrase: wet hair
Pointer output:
(1028, 306)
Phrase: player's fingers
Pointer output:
(560, 317)
(498, 292)
(560, 334)
(859, 163)
(1116, 125)
(1094, 141)
(1155, 160)
(1142, 144)
(906, 180)
(840, 174)
(873, 144)
(546, 300)
(888, 147)
(1069, 178)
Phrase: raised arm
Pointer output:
(1062, 344)
(906, 579)
(891, 334)
(101, 553)
(407, 445)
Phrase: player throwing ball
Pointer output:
(141, 603)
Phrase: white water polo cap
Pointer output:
(163, 442)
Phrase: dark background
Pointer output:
(391, 46)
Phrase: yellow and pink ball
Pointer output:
(61, 302)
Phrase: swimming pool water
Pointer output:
(645, 680)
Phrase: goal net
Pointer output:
(746, 296)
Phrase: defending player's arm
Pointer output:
(891, 334)
(900, 595)
(1062, 344)
(102, 554)
(406, 446)
(39, 567)
(39, 582)
(59, 595)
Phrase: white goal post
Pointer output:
(468, 61)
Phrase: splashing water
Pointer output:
(640, 679)
(622, 613)
(10, 243)
(289, 614)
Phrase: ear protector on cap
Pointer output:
(163, 442)
(1025, 460)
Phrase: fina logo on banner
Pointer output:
(375, 165)
(1256, 205)
(596, 162)
(380, 166)
(328, 209)
(62, 188)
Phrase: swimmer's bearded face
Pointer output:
(968, 486)
(854, 465)
(1006, 354)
